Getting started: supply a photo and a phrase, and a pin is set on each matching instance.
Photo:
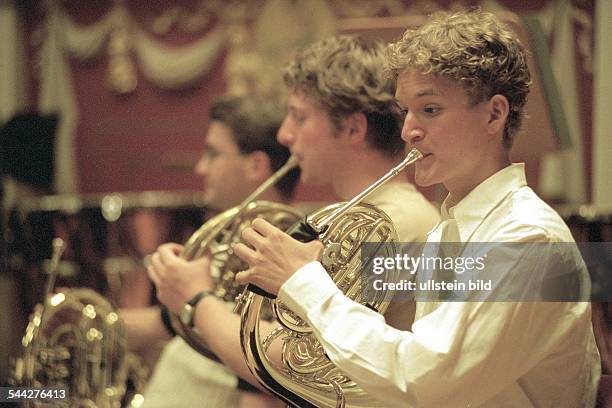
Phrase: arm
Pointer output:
(177, 281)
(220, 328)
(460, 354)
(143, 327)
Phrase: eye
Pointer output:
(431, 109)
(401, 112)
(299, 118)
(211, 154)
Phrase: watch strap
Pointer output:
(199, 296)
(192, 303)
(165, 318)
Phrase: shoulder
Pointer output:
(525, 216)
(412, 214)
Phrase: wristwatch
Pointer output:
(188, 311)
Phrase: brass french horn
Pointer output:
(216, 238)
(307, 378)
(77, 341)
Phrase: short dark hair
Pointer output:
(345, 75)
(254, 124)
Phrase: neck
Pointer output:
(361, 171)
(491, 163)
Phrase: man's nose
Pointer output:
(201, 167)
(412, 132)
(285, 134)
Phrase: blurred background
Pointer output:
(103, 111)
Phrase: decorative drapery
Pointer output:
(170, 67)
(167, 67)
(128, 45)
(56, 95)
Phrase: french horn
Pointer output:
(216, 239)
(306, 376)
(76, 341)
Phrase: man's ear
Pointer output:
(498, 109)
(356, 125)
(259, 167)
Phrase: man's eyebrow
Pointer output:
(424, 92)
(293, 108)
(428, 92)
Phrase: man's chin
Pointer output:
(311, 179)
(424, 180)
(317, 183)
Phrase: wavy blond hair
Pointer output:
(473, 48)
(345, 75)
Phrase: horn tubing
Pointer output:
(250, 303)
(250, 344)
(411, 157)
(58, 249)
(291, 163)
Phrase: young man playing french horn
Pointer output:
(344, 128)
(462, 81)
(240, 153)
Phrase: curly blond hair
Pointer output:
(345, 75)
(471, 47)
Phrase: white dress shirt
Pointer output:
(185, 377)
(464, 354)
(397, 199)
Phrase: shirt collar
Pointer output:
(474, 208)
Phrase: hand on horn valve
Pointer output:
(274, 256)
(176, 279)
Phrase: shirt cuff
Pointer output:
(307, 288)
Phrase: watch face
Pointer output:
(186, 314)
